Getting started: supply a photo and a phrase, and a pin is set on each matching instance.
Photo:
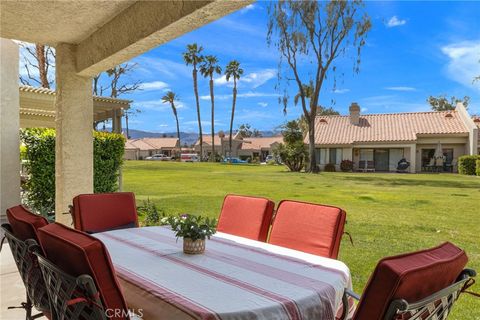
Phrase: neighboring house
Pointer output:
(381, 140)
(252, 148)
(139, 149)
(258, 147)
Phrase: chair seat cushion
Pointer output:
(412, 277)
(246, 216)
(308, 227)
(78, 253)
(104, 211)
(25, 223)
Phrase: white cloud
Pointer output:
(155, 85)
(262, 104)
(253, 79)
(341, 91)
(249, 94)
(463, 64)
(400, 88)
(248, 8)
(395, 22)
(158, 105)
(163, 67)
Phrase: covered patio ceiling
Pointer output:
(107, 33)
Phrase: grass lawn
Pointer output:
(387, 214)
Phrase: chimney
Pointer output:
(354, 113)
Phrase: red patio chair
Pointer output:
(421, 285)
(308, 227)
(246, 216)
(104, 211)
(79, 275)
(22, 228)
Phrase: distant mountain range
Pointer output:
(188, 138)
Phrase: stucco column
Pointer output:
(413, 158)
(9, 127)
(74, 142)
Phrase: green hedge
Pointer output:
(478, 167)
(466, 165)
(108, 149)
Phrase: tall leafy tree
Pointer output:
(233, 71)
(194, 57)
(442, 103)
(246, 131)
(170, 97)
(208, 68)
(319, 32)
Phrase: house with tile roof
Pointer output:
(244, 148)
(379, 141)
(139, 149)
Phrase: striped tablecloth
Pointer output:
(236, 278)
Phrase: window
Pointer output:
(321, 156)
(335, 155)
(448, 154)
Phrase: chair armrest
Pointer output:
(346, 294)
(352, 294)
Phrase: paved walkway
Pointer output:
(11, 286)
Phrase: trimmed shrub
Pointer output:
(467, 164)
(108, 149)
(346, 165)
(330, 167)
(478, 167)
(40, 155)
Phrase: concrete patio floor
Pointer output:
(12, 288)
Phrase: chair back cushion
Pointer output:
(245, 216)
(78, 253)
(25, 223)
(308, 227)
(104, 211)
(412, 277)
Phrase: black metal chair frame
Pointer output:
(36, 293)
(433, 307)
(71, 298)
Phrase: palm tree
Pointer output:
(208, 68)
(234, 71)
(170, 97)
(193, 57)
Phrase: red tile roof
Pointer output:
(401, 127)
(258, 143)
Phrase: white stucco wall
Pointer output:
(74, 137)
(9, 127)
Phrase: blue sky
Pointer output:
(415, 49)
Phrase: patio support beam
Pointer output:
(74, 141)
(9, 127)
(146, 25)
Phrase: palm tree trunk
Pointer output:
(178, 126)
(213, 156)
(231, 120)
(195, 90)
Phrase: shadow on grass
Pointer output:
(413, 182)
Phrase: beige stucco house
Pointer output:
(244, 148)
(139, 149)
(89, 37)
(381, 140)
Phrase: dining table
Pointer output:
(234, 279)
